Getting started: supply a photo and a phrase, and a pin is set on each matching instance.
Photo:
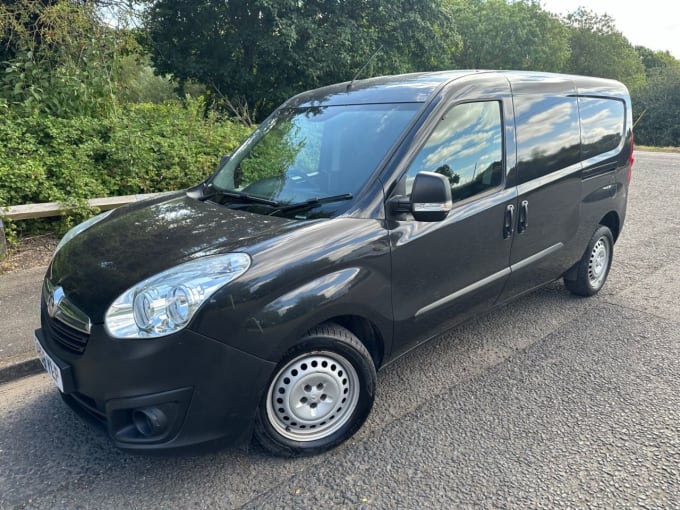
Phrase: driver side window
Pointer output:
(466, 147)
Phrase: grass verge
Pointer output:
(648, 148)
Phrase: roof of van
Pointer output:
(419, 87)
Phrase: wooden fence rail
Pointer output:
(48, 209)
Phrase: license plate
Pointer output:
(49, 364)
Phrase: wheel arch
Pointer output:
(612, 222)
(282, 423)
(366, 331)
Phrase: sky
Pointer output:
(651, 23)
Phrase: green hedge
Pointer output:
(143, 148)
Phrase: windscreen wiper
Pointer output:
(312, 202)
(241, 195)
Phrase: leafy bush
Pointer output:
(144, 148)
(82, 114)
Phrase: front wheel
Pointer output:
(593, 268)
(320, 395)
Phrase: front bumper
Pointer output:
(205, 391)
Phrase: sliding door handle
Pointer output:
(523, 221)
(508, 221)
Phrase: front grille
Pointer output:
(64, 322)
(66, 336)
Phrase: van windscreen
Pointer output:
(300, 154)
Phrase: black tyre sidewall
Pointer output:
(582, 286)
(362, 363)
(600, 233)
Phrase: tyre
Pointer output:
(320, 395)
(593, 268)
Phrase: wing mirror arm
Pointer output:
(400, 204)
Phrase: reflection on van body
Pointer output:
(602, 125)
(548, 136)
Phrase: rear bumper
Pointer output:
(191, 390)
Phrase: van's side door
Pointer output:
(548, 184)
(443, 271)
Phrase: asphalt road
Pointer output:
(19, 300)
(553, 401)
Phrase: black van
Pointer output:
(356, 222)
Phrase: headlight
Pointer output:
(80, 228)
(166, 302)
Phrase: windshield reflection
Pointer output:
(301, 154)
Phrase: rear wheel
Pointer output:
(320, 395)
(593, 268)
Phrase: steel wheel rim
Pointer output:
(598, 263)
(313, 396)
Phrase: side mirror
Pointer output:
(431, 197)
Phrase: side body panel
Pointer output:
(337, 267)
(443, 272)
(548, 182)
(604, 194)
(569, 186)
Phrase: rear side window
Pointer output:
(548, 134)
(466, 147)
(601, 125)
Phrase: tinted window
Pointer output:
(548, 135)
(466, 147)
(601, 125)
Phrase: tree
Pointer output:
(64, 58)
(59, 57)
(598, 49)
(653, 60)
(500, 35)
(262, 51)
(16, 17)
(660, 102)
(657, 105)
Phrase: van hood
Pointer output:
(143, 239)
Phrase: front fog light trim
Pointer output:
(165, 303)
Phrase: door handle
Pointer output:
(508, 221)
(523, 221)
